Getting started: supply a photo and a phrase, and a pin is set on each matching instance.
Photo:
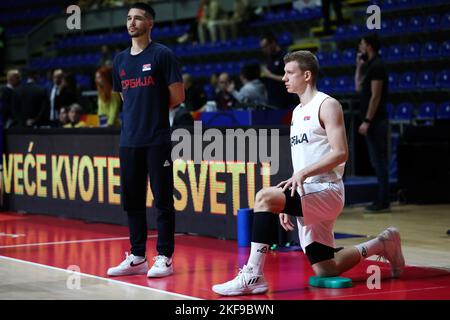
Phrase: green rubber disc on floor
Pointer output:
(330, 282)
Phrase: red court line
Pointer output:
(201, 262)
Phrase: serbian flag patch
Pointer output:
(147, 67)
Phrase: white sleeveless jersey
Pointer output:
(309, 142)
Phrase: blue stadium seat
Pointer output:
(293, 15)
(389, 4)
(348, 32)
(415, 23)
(196, 71)
(445, 49)
(426, 80)
(284, 39)
(209, 91)
(407, 80)
(427, 111)
(344, 84)
(443, 111)
(274, 17)
(322, 56)
(430, 50)
(386, 26)
(443, 79)
(208, 70)
(340, 33)
(400, 26)
(412, 51)
(355, 30)
(348, 56)
(432, 22)
(404, 112)
(445, 21)
(395, 53)
(404, 4)
(393, 81)
(326, 84)
(335, 58)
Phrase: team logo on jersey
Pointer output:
(147, 67)
(146, 81)
(122, 73)
(299, 139)
(306, 118)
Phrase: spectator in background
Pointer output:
(47, 81)
(63, 117)
(6, 97)
(54, 94)
(75, 112)
(30, 103)
(106, 57)
(109, 102)
(195, 97)
(192, 34)
(214, 19)
(371, 81)
(337, 6)
(253, 90)
(273, 72)
(68, 93)
(242, 12)
(224, 99)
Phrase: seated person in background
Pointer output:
(75, 112)
(253, 90)
(109, 102)
(195, 97)
(224, 99)
(63, 118)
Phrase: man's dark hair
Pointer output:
(372, 40)
(250, 71)
(270, 37)
(143, 6)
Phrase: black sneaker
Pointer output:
(376, 208)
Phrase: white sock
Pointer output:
(369, 248)
(257, 257)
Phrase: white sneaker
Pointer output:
(393, 250)
(129, 267)
(162, 267)
(246, 282)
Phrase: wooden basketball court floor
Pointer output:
(36, 252)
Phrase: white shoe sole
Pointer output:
(159, 275)
(397, 272)
(120, 274)
(256, 290)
